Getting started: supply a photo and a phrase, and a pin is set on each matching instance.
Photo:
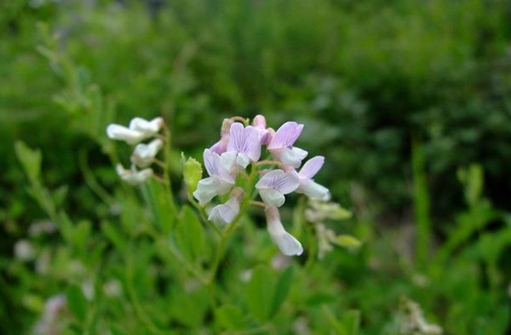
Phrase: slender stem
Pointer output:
(257, 203)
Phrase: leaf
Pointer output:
(282, 289)
(192, 173)
(190, 234)
(351, 322)
(111, 231)
(229, 317)
(30, 160)
(260, 293)
(77, 302)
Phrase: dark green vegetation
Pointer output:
(407, 100)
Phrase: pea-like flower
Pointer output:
(307, 185)
(133, 176)
(281, 145)
(138, 130)
(225, 213)
(274, 184)
(286, 242)
(245, 142)
(221, 176)
(144, 154)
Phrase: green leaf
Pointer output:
(111, 231)
(260, 293)
(30, 160)
(189, 234)
(77, 302)
(229, 317)
(192, 173)
(282, 289)
(351, 322)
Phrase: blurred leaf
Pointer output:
(351, 322)
(114, 235)
(77, 302)
(284, 283)
(189, 234)
(229, 317)
(30, 160)
(260, 293)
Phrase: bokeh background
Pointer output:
(408, 100)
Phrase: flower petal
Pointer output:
(291, 156)
(144, 154)
(272, 197)
(287, 244)
(148, 127)
(286, 135)
(121, 133)
(133, 176)
(314, 190)
(245, 140)
(285, 182)
(311, 167)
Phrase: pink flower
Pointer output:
(281, 145)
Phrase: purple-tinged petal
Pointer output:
(211, 160)
(286, 135)
(245, 140)
(219, 147)
(311, 167)
(285, 182)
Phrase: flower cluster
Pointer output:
(144, 154)
(239, 147)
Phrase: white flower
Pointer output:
(221, 178)
(225, 213)
(287, 244)
(147, 127)
(121, 133)
(144, 154)
(138, 130)
(133, 176)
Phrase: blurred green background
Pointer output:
(408, 100)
